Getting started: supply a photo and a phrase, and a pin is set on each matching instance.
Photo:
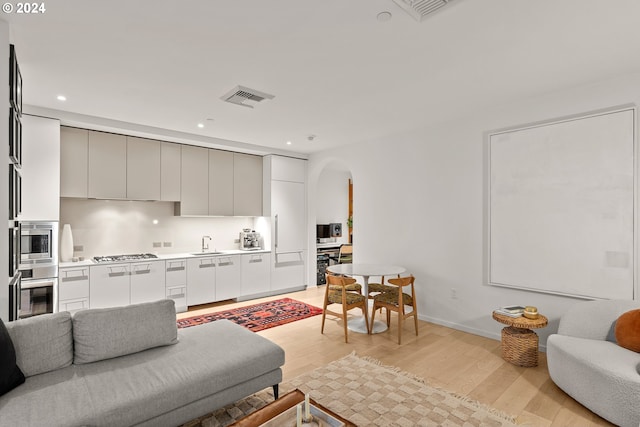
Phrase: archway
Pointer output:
(330, 202)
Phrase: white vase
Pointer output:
(66, 244)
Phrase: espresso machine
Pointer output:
(250, 240)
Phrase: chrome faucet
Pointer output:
(205, 247)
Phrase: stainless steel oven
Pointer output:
(38, 267)
(38, 249)
(37, 297)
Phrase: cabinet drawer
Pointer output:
(72, 305)
(179, 295)
(73, 284)
(176, 272)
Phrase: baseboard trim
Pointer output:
(480, 332)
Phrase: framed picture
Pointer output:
(15, 81)
(15, 138)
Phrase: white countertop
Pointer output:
(162, 257)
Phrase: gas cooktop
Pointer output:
(129, 257)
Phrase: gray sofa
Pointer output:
(585, 361)
(131, 366)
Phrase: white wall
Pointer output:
(425, 212)
(332, 200)
(110, 227)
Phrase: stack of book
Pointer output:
(511, 310)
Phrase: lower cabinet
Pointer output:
(147, 281)
(73, 289)
(176, 282)
(109, 285)
(201, 280)
(228, 274)
(211, 279)
(116, 285)
(287, 270)
(256, 277)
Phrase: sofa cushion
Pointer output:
(10, 374)
(43, 343)
(106, 333)
(628, 330)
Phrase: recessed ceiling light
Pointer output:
(61, 98)
(200, 125)
(288, 142)
(384, 16)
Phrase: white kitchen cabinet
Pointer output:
(288, 169)
(201, 280)
(284, 202)
(107, 166)
(147, 281)
(194, 185)
(74, 149)
(247, 185)
(143, 169)
(109, 285)
(288, 211)
(221, 182)
(256, 277)
(73, 288)
(170, 167)
(228, 277)
(40, 169)
(176, 282)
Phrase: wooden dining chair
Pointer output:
(378, 288)
(397, 301)
(352, 287)
(345, 256)
(336, 293)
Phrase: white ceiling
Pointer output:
(336, 72)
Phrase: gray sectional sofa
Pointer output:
(585, 361)
(131, 366)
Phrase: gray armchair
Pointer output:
(585, 361)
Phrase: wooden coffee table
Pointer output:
(519, 342)
(284, 409)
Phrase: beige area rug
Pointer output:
(367, 393)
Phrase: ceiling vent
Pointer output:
(419, 9)
(244, 96)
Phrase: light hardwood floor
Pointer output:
(447, 358)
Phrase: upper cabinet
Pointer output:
(205, 182)
(74, 149)
(143, 169)
(40, 169)
(194, 185)
(170, 159)
(107, 166)
(221, 183)
(247, 185)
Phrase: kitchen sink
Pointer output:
(206, 253)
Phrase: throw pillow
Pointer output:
(627, 330)
(105, 333)
(10, 374)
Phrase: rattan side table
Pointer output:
(519, 342)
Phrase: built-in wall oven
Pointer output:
(39, 267)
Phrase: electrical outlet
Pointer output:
(166, 244)
(78, 248)
(454, 293)
(157, 244)
(236, 241)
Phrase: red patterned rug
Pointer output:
(258, 316)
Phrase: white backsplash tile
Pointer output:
(107, 227)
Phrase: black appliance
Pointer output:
(323, 263)
(325, 231)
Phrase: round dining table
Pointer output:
(358, 324)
